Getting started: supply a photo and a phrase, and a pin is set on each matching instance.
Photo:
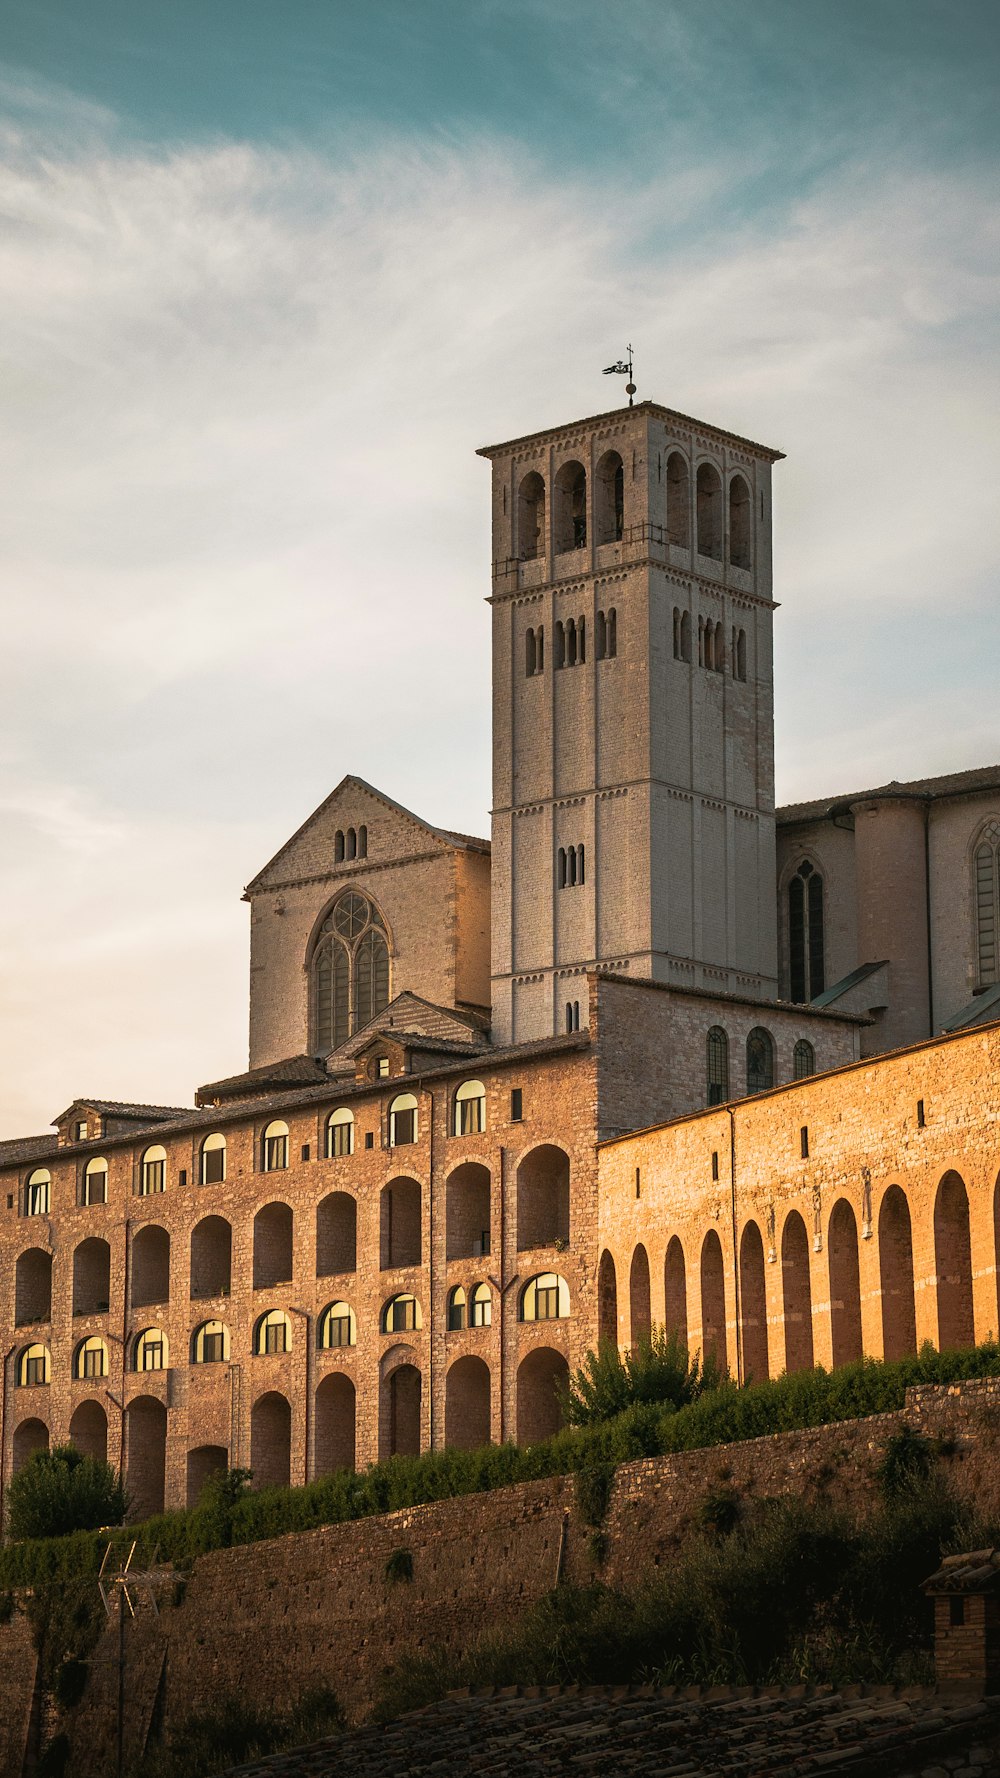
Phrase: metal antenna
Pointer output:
(623, 368)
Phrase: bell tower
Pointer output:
(633, 736)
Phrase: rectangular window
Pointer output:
(921, 1118)
(34, 1371)
(39, 1198)
(804, 1142)
(276, 1337)
(403, 1315)
(305, 1151)
(547, 1302)
(339, 1140)
(383, 1068)
(212, 1348)
(213, 1166)
(638, 1183)
(95, 1188)
(152, 1355)
(715, 1163)
(956, 1612)
(369, 1139)
(470, 1113)
(93, 1364)
(182, 1177)
(80, 1131)
(275, 1154)
(403, 1127)
(153, 1178)
(340, 1330)
(516, 1105)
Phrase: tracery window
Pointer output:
(718, 1066)
(803, 1060)
(986, 883)
(350, 969)
(807, 976)
(760, 1060)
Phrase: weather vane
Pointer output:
(623, 368)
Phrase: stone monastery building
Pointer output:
(660, 1053)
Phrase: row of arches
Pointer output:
(720, 512)
(760, 1062)
(350, 843)
(760, 1348)
(468, 1417)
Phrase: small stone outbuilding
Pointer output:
(966, 1594)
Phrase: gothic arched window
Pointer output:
(807, 976)
(760, 1060)
(803, 1060)
(986, 875)
(350, 969)
(718, 1066)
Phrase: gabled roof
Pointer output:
(461, 841)
(978, 781)
(409, 1015)
(25, 1148)
(293, 1071)
(982, 1010)
(123, 1108)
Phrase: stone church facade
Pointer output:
(503, 1098)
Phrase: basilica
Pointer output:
(655, 1052)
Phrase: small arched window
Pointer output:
(456, 1309)
(559, 659)
(803, 1060)
(210, 1343)
(530, 654)
(602, 636)
(151, 1351)
(740, 523)
(739, 655)
(678, 501)
(581, 875)
(338, 846)
(612, 633)
(545, 1298)
(481, 1306)
(709, 502)
(718, 1066)
(571, 867)
(153, 1171)
(986, 886)
(274, 1147)
(34, 1367)
(561, 868)
(572, 1015)
(806, 966)
(337, 1327)
(531, 518)
(402, 1120)
(91, 1360)
(760, 1060)
(339, 1133)
(95, 1181)
(470, 1108)
(402, 1315)
(38, 1193)
(273, 1334)
(213, 1159)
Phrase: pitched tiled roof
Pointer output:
(122, 1108)
(293, 1071)
(980, 779)
(639, 1732)
(24, 1148)
(972, 1571)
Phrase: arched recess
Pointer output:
(88, 1430)
(203, 1464)
(400, 1223)
(211, 1258)
(570, 507)
(91, 1277)
(708, 487)
(740, 523)
(796, 1294)
(679, 503)
(400, 1405)
(531, 540)
(467, 1212)
(540, 1377)
(336, 1234)
(845, 1285)
(609, 498)
(30, 1436)
(675, 1291)
(753, 1305)
(33, 1286)
(150, 1270)
(640, 1314)
(336, 1419)
(273, 1240)
(467, 1404)
(895, 1261)
(607, 1298)
(271, 1440)
(146, 1456)
(953, 1262)
(543, 1198)
(713, 1302)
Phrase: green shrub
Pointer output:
(61, 1490)
(658, 1370)
(238, 1731)
(908, 1459)
(593, 1485)
(399, 1567)
(719, 1510)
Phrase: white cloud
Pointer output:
(245, 538)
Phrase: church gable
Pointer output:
(410, 1017)
(356, 824)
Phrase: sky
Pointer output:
(270, 274)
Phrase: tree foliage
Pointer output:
(61, 1490)
(658, 1370)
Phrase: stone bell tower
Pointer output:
(633, 738)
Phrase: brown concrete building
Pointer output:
(416, 1209)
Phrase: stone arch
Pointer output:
(88, 1430)
(675, 1291)
(30, 1436)
(740, 523)
(467, 1404)
(609, 498)
(753, 1305)
(336, 1422)
(273, 1243)
(796, 1294)
(540, 1376)
(531, 539)
(33, 1286)
(713, 1301)
(146, 1453)
(639, 1309)
(570, 514)
(401, 1209)
(708, 488)
(203, 1464)
(607, 1298)
(211, 1259)
(467, 1211)
(953, 1262)
(401, 1408)
(271, 1440)
(679, 503)
(91, 1277)
(336, 1234)
(150, 1268)
(895, 1261)
(845, 1285)
(543, 1197)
